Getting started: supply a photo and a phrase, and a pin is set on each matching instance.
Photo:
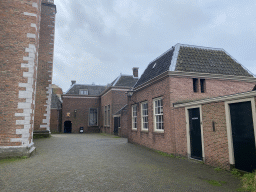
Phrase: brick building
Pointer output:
(45, 64)
(93, 107)
(20, 32)
(183, 73)
(81, 108)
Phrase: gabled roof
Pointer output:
(124, 81)
(94, 90)
(189, 58)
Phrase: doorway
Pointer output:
(195, 133)
(116, 125)
(67, 127)
(243, 135)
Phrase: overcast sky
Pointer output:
(95, 41)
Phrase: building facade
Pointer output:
(182, 74)
(20, 24)
(45, 66)
(92, 107)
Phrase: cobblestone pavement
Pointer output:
(95, 162)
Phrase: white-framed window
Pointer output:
(93, 117)
(144, 116)
(158, 115)
(134, 117)
(83, 91)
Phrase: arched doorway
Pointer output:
(67, 127)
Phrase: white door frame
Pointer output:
(188, 132)
(229, 128)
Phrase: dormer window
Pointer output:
(83, 91)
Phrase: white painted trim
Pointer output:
(154, 116)
(77, 97)
(117, 79)
(229, 127)
(174, 57)
(141, 117)
(188, 132)
(237, 96)
(30, 14)
(135, 129)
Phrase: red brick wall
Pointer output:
(174, 89)
(117, 99)
(19, 25)
(44, 74)
(82, 105)
(215, 143)
(180, 131)
(123, 131)
(55, 120)
(159, 141)
(182, 88)
(106, 99)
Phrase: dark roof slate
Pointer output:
(215, 61)
(126, 81)
(190, 58)
(156, 67)
(94, 90)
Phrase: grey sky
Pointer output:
(95, 41)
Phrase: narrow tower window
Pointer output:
(202, 85)
(195, 85)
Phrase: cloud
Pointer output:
(95, 41)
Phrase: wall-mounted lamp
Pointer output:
(68, 114)
(130, 93)
(75, 112)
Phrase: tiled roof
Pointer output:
(216, 61)
(124, 81)
(190, 58)
(156, 67)
(95, 90)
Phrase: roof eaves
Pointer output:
(240, 64)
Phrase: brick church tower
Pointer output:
(20, 24)
(44, 71)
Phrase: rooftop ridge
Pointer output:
(200, 47)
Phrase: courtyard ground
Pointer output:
(98, 162)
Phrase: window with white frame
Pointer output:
(158, 114)
(83, 91)
(134, 117)
(144, 116)
(93, 117)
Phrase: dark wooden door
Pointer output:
(116, 125)
(243, 136)
(67, 127)
(195, 133)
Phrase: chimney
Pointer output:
(135, 72)
(73, 82)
